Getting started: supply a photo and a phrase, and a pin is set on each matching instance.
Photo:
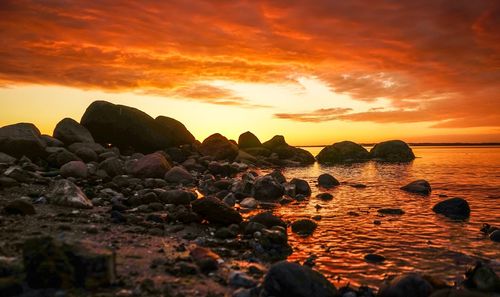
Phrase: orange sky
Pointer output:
(314, 71)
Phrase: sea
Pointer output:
(417, 241)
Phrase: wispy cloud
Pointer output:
(319, 115)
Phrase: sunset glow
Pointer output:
(314, 71)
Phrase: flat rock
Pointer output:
(391, 211)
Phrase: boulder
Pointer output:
(124, 127)
(248, 140)
(340, 152)
(287, 279)
(87, 154)
(454, 208)
(179, 175)
(275, 142)
(19, 207)
(301, 187)
(278, 176)
(60, 156)
(219, 147)
(51, 263)
(51, 141)
(112, 166)
(249, 202)
(267, 188)
(76, 169)
(65, 193)
(215, 211)
(458, 293)
(391, 211)
(409, 285)
(154, 165)
(70, 131)
(392, 151)
(420, 186)
(495, 236)
(268, 219)
(483, 278)
(327, 181)
(304, 226)
(176, 132)
(22, 139)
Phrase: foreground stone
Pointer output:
(266, 188)
(410, 285)
(70, 131)
(205, 259)
(22, 139)
(66, 193)
(340, 152)
(392, 151)
(53, 264)
(420, 186)
(286, 279)
(216, 211)
(454, 208)
(154, 165)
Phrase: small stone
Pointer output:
(391, 211)
(419, 187)
(374, 258)
(205, 259)
(20, 207)
(324, 196)
(76, 169)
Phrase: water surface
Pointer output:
(419, 240)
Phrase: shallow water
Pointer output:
(419, 240)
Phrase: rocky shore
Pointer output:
(121, 204)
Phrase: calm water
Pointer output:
(419, 240)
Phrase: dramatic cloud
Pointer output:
(319, 115)
(435, 60)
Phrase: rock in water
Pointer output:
(70, 131)
(454, 208)
(154, 165)
(420, 186)
(304, 226)
(76, 169)
(286, 279)
(247, 140)
(22, 139)
(301, 187)
(176, 132)
(327, 181)
(216, 211)
(53, 264)
(410, 285)
(66, 193)
(268, 219)
(391, 211)
(392, 151)
(267, 188)
(345, 151)
(124, 127)
(219, 147)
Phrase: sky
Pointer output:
(317, 72)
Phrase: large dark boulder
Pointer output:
(410, 285)
(219, 147)
(216, 211)
(301, 187)
(176, 132)
(124, 127)
(392, 151)
(345, 151)
(247, 140)
(70, 131)
(22, 139)
(287, 279)
(420, 186)
(454, 208)
(267, 188)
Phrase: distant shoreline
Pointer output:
(483, 144)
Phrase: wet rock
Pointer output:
(304, 226)
(454, 208)
(419, 186)
(324, 196)
(22, 139)
(76, 169)
(215, 211)
(177, 197)
(286, 279)
(175, 131)
(327, 181)
(70, 131)
(205, 259)
(301, 187)
(179, 175)
(410, 285)
(374, 258)
(124, 127)
(240, 279)
(248, 140)
(268, 219)
(272, 244)
(53, 264)
(267, 188)
(65, 193)
(345, 151)
(19, 207)
(483, 278)
(219, 147)
(225, 233)
(392, 151)
(391, 211)
(495, 236)
(249, 202)
(152, 165)
(112, 166)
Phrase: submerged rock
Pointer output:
(420, 186)
(345, 151)
(22, 139)
(392, 151)
(216, 211)
(391, 211)
(327, 181)
(66, 193)
(410, 285)
(219, 147)
(454, 208)
(286, 279)
(70, 131)
(304, 226)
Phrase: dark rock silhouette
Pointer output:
(22, 139)
(454, 208)
(392, 151)
(345, 151)
(419, 187)
(176, 132)
(219, 147)
(248, 140)
(70, 131)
